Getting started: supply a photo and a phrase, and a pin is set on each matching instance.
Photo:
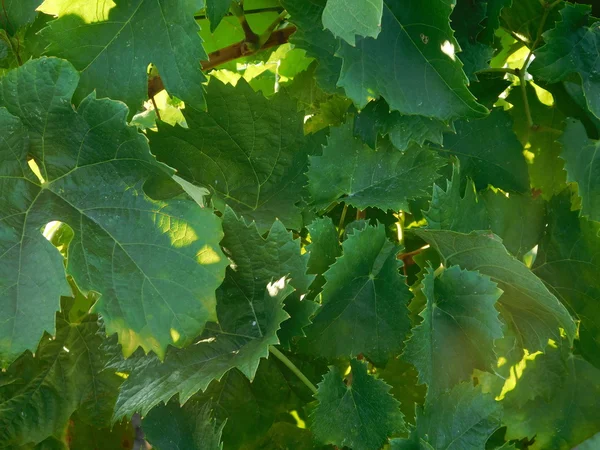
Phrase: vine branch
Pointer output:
(290, 365)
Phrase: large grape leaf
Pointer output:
(155, 263)
(384, 178)
(411, 64)
(403, 131)
(39, 393)
(318, 43)
(250, 152)
(98, 36)
(489, 152)
(572, 47)
(360, 415)
(526, 304)
(15, 14)
(249, 310)
(461, 419)
(568, 261)
(582, 163)
(364, 301)
(458, 330)
(348, 18)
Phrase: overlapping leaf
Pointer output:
(346, 19)
(156, 264)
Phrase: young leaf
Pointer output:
(250, 152)
(489, 152)
(582, 164)
(572, 47)
(527, 305)
(384, 178)
(155, 263)
(346, 19)
(360, 415)
(364, 301)
(130, 35)
(411, 64)
(458, 330)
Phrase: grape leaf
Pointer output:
(489, 152)
(364, 301)
(546, 170)
(526, 18)
(527, 305)
(190, 427)
(156, 263)
(15, 14)
(461, 419)
(568, 262)
(402, 130)
(384, 178)
(130, 35)
(582, 164)
(318, 43)
(250, 152)
(572, 47)
(249, 310)
(39, 393)
(216, 10)
(360, 415)
(346, 19)
(407, 66)
(458, 330)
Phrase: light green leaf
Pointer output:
(249, 310)
(526, 305)
(458, 330)
(348, 18)
(250, 152)
(489, 152)
(190, 427)
(384, 178)
(216, 10)
(156, 264)
(364, 301)
(568, 262)
(402, 130)
(407, 64)
(360, 415)
(572, 47)
(98, 37)
(582, 163)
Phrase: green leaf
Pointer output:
(582, 164)
(80, 435)
(190, 427)
(376, 119)
(568, 263)
(97, 36)
(364, 301)
(416, 76)
(384, 178)
(216, 10)
(360, 415)
(461, 419)
(347, 19)
(249, 310)
(324, 247)
(156, 264)
(546, 170)
(489, 152)
(572, 47)
(526, 18)
(458, 330)
(318, 43)
(286, 436)
(15, 14)
(527, 305)
(39, 393)
(569, 416)
(250, 152)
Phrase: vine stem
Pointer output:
(290, 365)
(514, 72)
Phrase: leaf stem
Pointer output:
(290, 365)
(276, 9)
(251, 38)
(342, 218)
(265, 35)
(514, 72)
(522, 82)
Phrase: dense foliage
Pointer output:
(299, 224)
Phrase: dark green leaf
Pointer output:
(216, 10)
(15, 14)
